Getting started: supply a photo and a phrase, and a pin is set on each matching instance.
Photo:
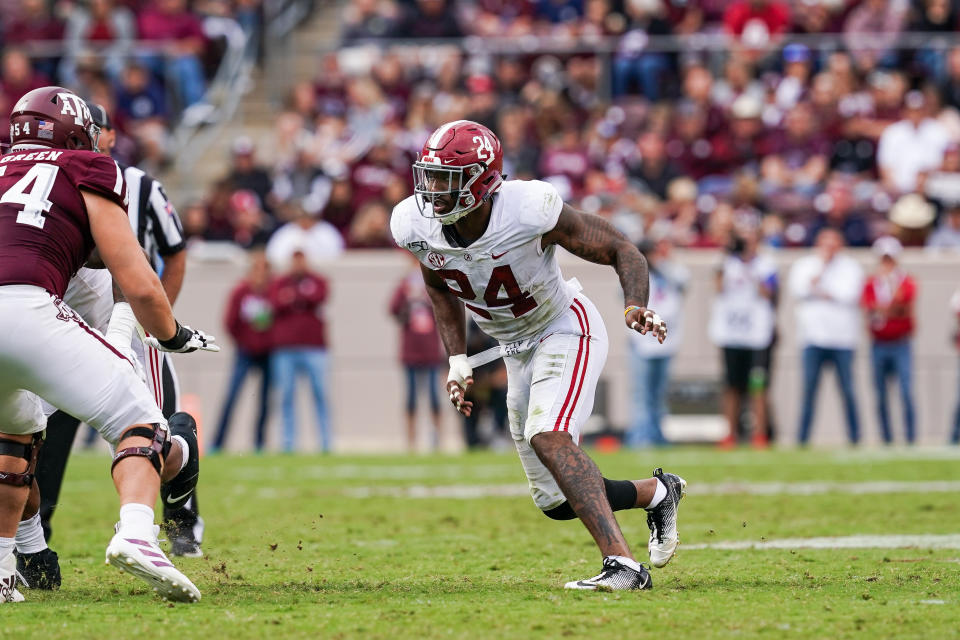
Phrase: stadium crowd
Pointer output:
(149, 63)
(768, 139)
(664, 139)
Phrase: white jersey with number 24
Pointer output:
(512, 287)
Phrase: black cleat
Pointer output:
(175, 493)
(662, 519)
(615, 576)
(183, 540)
(40, 570)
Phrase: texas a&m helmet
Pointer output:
(462, 161)
(53, 117)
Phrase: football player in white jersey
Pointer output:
(488, 245)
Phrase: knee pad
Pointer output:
(156, 453)
(26, 450)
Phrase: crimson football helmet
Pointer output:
(462, 162)
(53, 117)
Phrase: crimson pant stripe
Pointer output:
(96, 335)
(148, 352)
(586, 360)
(153, 372)
(573, 378)
(157, 376)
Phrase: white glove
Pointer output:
(184, 341)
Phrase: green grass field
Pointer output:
(390, 547)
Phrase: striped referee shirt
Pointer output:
(154, 220)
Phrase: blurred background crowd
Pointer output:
(671, 117)
(747, 126)
(148, 62)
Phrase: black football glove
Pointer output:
(184, 340)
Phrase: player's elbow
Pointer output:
(624, 251)
(142, 291)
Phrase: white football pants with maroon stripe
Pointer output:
(48, 350)
(551, 388)
(90, 293)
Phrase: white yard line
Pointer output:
(815, 488)
(476, 491)
(925, 541)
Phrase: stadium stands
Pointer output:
(777, 112)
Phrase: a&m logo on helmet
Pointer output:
(73, 105)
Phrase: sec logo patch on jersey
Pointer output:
(436, 259)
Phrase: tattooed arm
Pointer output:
(452, 326)
(594, 239)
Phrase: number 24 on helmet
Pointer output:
(459, 168)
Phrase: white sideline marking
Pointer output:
(816, 488)
(925, 541)
(476, 491)
(457, 491)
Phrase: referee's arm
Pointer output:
(174, 268)
(168, 235)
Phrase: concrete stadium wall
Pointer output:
(366, 385)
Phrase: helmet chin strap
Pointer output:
(453, 217)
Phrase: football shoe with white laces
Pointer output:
(662, 519)
(615, 576)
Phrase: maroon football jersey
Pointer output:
(44, 229)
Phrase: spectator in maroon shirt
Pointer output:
(566, 158)
(799, 153)
(17, 77)
(371, 175)
(421, 353)
(300, 346)
(179, 36)
(689, 146)
(34, 24)
(745, 142)
(101, 26)
(698, 90)
(249, 319)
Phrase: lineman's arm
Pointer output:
(596, 240)
(123, 256)
(452, 326)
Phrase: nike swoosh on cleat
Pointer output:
(497, 257)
